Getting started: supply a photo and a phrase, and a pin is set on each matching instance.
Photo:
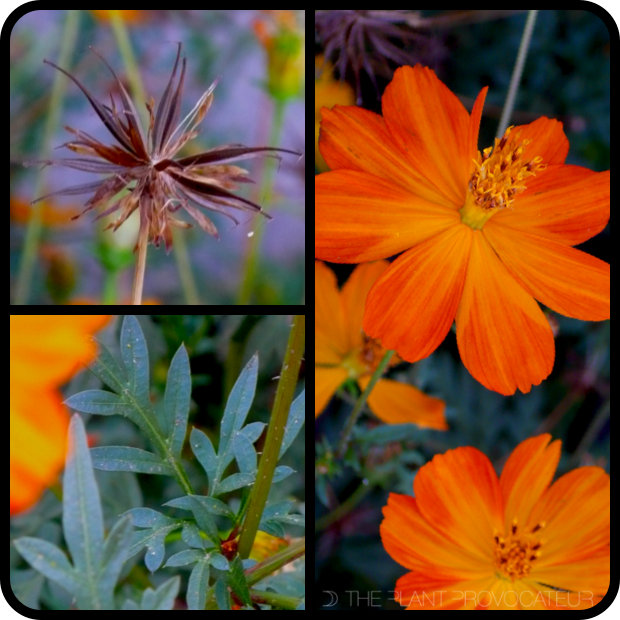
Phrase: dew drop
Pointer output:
(251, 234)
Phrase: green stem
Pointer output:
(181, 255)
(251, 267)
(361, 401)
(35, 224)
(517, 72)
(279, 601)
(275, 434)
(267, 567)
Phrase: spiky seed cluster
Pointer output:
(163, 185)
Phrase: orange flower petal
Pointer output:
(399, 403)
(566, 204)
(360, 217)
(51, 348)
(327, 381)
(567, 280)
(526, 476)
(329, 320)
(423, 289)
(503, 336)
(459, 493)
(38, 426)
(575, 510)
(353, 296)
(547, 140)
(431, 126)
(358, 139)
(417, 545)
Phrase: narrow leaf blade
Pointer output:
(177, 400)
(121, 458)
(239, 402)
(99, 402)
(296, 418)
(49, 560)
(236, 580)
(236, 481)
(162, 598)
(136, 357)
(204, 518)
(106, 368)
(82, 514)
(205, 453)
(245, 454)
(198, 585)
(115, 554)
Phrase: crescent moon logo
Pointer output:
(334, 598)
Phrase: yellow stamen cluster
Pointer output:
(500, 172)
(516, 553)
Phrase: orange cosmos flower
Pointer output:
(342, 351)
(483, 235)
(45, 352)
(473, 541)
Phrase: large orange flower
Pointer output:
(342, 351)
(483, 235)
(45, 352)
(473, 541)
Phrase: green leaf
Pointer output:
(214, 506)
(198, 585)
(296, 418)
(154, 538)
(236, 580)
(205, 520)
(49, 560)
(205, 453)
(131, 605)
(177, 400)
(115, 554)
(222, 596)
(236, 481)
(101, 403)
(82, 518)
(278, 509)
(107, 369)
(245, 454)
(120, 458)
(136, 357)
(282, 472)
(162, 598)
(238, 406)
(218, 561)
(185, 557)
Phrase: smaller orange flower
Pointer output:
(343, 351)
(473, 541)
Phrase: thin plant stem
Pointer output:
(260, 571)
(138, 281)
(279, 601)
(181, 255)
(275, 434)
(184, 267)
(248, 284)
(359, 405)
(515, 80)
(35, 224)
(348, 505)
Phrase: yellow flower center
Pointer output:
(499, 176)
(365, 359)
(516, 553)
